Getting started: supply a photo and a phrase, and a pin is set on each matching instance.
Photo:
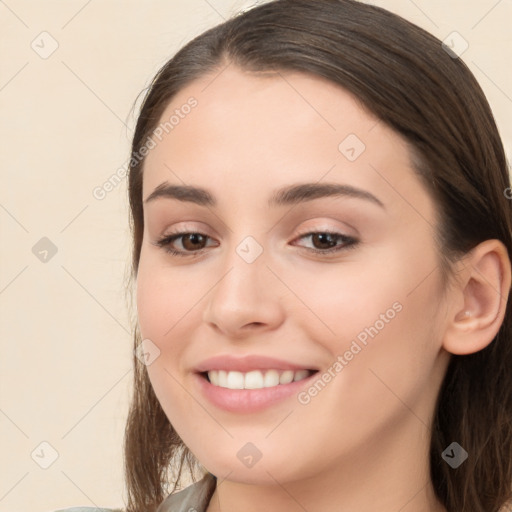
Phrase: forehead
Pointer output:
(264, 132)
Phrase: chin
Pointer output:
(265, 471)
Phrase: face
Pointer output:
(291, 322)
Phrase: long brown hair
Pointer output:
(404, 76)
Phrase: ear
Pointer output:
(483, 289)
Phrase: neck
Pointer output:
(388, 474)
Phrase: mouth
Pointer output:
(255, 379)
(250, 383)
(252, 391)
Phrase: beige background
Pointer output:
(65, 365)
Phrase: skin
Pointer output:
(362, 442)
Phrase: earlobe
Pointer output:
(484, 289)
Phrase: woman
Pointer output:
(321, 252)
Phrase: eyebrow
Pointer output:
(289, 195)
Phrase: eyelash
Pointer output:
(166, 241)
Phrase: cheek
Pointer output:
(164, 310)
(387, 336)
(380, 316)
(342, 299)
(165, 299)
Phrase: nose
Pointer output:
(247, 298)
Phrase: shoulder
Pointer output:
(196, 497)
(88, 509)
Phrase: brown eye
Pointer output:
(323, 240)
(327, 242)
(192, 243)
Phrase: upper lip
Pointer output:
(247, 363)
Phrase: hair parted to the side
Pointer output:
(401, 74)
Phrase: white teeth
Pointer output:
(222, 379)
(214, 378)
(271, 379)
(286, 377)
(301, 374)
(255, 379)
(235, 380)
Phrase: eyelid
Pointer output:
(323, 229)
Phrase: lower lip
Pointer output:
(249, 400)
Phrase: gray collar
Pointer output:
(196, 496)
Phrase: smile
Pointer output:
(255, 379)
(252, 382)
